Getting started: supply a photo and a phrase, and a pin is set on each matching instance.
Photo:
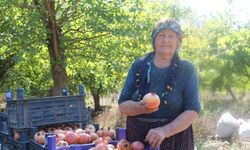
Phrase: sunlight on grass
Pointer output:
(213, 105)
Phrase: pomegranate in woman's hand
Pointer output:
(137, 145)
(152, 100)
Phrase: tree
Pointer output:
(93, 41)
(62, 26)
(225, 64)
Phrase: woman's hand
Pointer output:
(155, 137)
(144, 109)
(183, 121)
(131, 108)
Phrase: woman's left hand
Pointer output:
(155, 137)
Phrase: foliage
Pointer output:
(100, 39)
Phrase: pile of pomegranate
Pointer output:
(74, 135)
(70, 135)
(121, 145)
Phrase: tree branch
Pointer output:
(41, 12)
(75, 30)
(50, 7)
(93, 37)
(26, 6)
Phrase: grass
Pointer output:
(213, 106)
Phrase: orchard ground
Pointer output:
(213, 105)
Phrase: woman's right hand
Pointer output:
(144, 109)
(132, 108)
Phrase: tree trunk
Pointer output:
(5, 65)
(57, 58)
(60, 78)
(96, 97)
(230, 91)
(242, 95)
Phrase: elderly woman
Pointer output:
(174, 80)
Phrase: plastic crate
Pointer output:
(35, 146)
(25, 134)
(4, 140)
(45, 111)
(3, 116)
(16, 145)
(3, 121)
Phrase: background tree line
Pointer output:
(46, 45)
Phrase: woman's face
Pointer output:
(166, 43)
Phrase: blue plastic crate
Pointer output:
(35, 146)
(25, 134)
(3, 121)
(46, 111)
(3, 116)
(4, 140)
(16, 145)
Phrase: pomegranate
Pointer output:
(51, 130)
(67, 128)
(16, 135)
(123, 145)
(101, 146)
(76, 126)
(111, 147)
(107, 138)
(57, 131)
(62, 144)
(100, 133)
(84, 138)
(110, 133)
(60, 137)
(100, 140)
(152, 100)
(90, 128)
(93, 136)
(137, 145)
(78, 131)
(71, 137)
(39, 137)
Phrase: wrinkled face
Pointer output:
(166, 43)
